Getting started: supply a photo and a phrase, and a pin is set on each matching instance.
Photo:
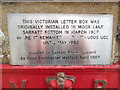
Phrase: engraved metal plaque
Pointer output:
(60, 39)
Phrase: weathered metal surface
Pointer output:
(86, 76)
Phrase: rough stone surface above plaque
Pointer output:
(60, 39)
(60, 0)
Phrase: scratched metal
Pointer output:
(64, 42)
